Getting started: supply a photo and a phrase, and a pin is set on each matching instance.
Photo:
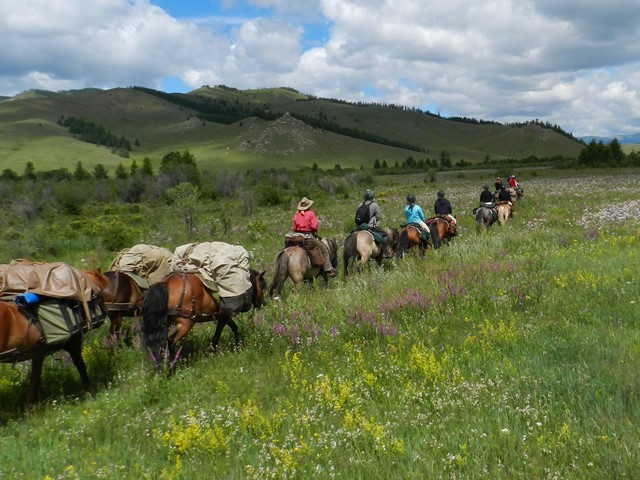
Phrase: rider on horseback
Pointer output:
(504, 196)
(305, 222)
(414, 214)
(442, 208)
(486, 200)
(373, 221)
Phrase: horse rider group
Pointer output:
(503, 194)
(368, 217)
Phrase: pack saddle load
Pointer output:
(58, 298)
(145, 264)
(222, 267)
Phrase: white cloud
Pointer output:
(572, 63)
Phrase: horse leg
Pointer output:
(435, 237)
(183, 326)
(74, 347)
(223, 321)
(34, 383)
(115, 325)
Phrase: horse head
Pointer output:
(99, 282)
(259, 284)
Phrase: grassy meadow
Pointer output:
(509, 354)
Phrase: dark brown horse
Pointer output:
(442, 230)
(22, 339)
(360, 246)
(293, 262)
(122, 298)
(182, 300)
(409, 237)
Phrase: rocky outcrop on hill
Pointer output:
(284, 136)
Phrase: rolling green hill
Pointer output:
(230, 129)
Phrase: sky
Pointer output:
(572, 63)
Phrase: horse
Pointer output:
(410, 237)
(504, 212)
(440, 230)
(122, 296)
(182, 299)
(360, 246)
(293, 262)
(484, 218)
(22, 340)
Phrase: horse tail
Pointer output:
(480, 225)
(403, 243)
(350, 252)
(435, 236)
(155, 321)
(281, 270)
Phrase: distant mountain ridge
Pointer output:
(633, 138)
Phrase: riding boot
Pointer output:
(329, 271)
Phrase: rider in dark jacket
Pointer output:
(443, 207)
(504, 194)
(486, 196)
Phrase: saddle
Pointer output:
(306, 241)
(423, 233)
(377, 236)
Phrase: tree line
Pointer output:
(599, 154)
(90, 132)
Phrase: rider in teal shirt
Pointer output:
(413, 212)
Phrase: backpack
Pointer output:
(363, 214)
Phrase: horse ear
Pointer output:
(261, 274)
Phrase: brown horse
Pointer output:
(122, 298)
(442, 230)
(504, 212)
(409, 237)
(181, 299)
(293, 262)
(360, 246)
(22, 339)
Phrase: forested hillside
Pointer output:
(229, 129)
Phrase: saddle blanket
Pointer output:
(377, 236)
(224, 268)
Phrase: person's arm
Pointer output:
(313, 222)
(374, 210)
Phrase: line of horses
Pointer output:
(484, 215)
(170, 308)
(360, 247)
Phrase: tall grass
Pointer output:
(502, 355)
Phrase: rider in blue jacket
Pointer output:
(414, 213)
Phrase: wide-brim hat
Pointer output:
(305, 204)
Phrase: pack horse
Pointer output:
(45, 308)
(209, 281)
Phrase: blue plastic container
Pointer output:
(27, 298)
